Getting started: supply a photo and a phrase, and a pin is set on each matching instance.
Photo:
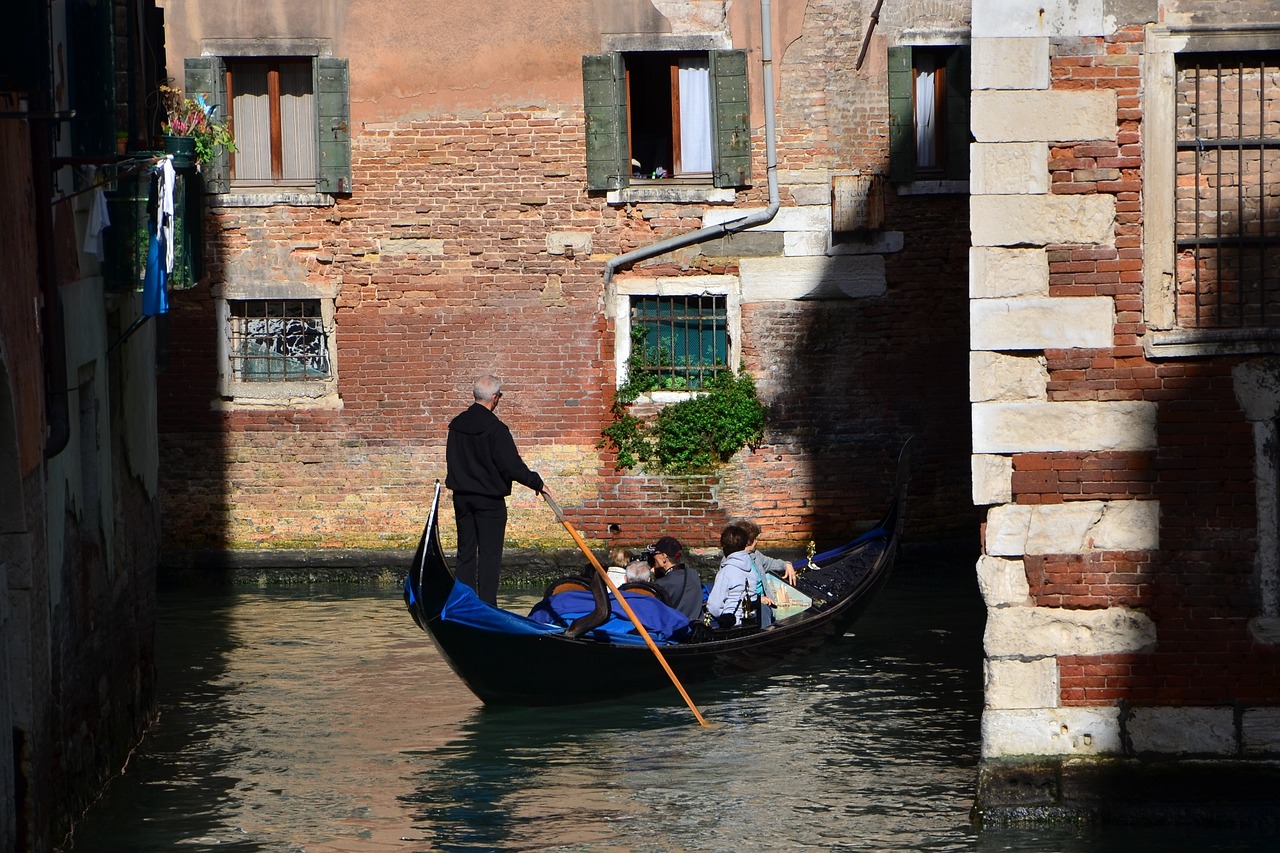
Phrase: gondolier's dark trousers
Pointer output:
(482, 525)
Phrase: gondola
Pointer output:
(509, 659)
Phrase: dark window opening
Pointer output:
(669, 114)
(686, 339)
(1227, 219)
(278, 340)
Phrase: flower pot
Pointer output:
(183, 149)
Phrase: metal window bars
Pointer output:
(278, 340)
(1227, 221)
(686, 338)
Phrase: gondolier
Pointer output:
(482, 463)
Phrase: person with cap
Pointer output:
(482, 462)
(681, 583)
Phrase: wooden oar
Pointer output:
(621, 599)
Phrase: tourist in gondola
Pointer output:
(763, 562)
(482, 463)
(681, 583)
(734, 592)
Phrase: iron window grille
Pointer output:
(686, 338)
(1228, 191)
(278, 340)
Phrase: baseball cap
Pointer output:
(668, 545)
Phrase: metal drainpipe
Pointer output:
(760, 217)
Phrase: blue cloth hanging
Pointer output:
(155, 282)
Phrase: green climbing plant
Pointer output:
(694, 434)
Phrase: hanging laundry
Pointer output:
(99, 220)
(164, 210)
(155, 281)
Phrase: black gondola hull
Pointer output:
(532, 668)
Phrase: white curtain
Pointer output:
(252, 106)
(252, 109)
(926, 111)
(695, 114)
(297, 122)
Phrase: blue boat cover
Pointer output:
(662, 622)
(465, 607)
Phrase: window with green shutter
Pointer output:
(928, 113)
(290, 119)
(667, 116)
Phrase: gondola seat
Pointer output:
(567, 583)
(646, 588)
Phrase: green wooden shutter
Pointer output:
(958, 114)
(206, 75)
(730, 118)
(902, 125)
(333, 123)
(604, 100)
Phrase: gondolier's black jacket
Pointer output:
(482, 458)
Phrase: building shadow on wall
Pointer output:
(849, 378)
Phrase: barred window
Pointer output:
(278, 340)
(686, 338)
(1228, 191)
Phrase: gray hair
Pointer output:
(486, 388)
(638, 571)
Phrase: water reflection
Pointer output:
(323, 720)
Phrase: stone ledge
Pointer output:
(1015, 792)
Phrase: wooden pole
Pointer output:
(621, 599)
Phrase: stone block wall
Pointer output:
(1121, 536)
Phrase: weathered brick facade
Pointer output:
(446, 261)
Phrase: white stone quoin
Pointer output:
(1003, 583)
(1075, 527)
(999, 273)
(1010, 63)
(1031, 632)
(1039, 220)
(1044, 18)
(1009, 168)
(1038, 323)
(992, 479)
(1034, 427)
(1002, 376)
(1206, 731)
(1048, 116)
(1021, 684)
(1052, 731)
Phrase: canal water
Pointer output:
(321, 719)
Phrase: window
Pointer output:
(686, 338)
(1226, 216)
(290, 119)
(278, 340)
(277, 346)
(273, 112)
(667, 115)
(1211, 224)
(928, 113)
(687, 326)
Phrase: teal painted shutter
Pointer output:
(730, 118)
(958, 114)
(902, 136)
(604, 101)
(333, 123)
(206, 75)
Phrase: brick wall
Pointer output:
(440, 265)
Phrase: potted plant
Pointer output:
(192, 134)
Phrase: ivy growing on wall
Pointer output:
(694, 434)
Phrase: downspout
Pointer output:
(759, 217)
